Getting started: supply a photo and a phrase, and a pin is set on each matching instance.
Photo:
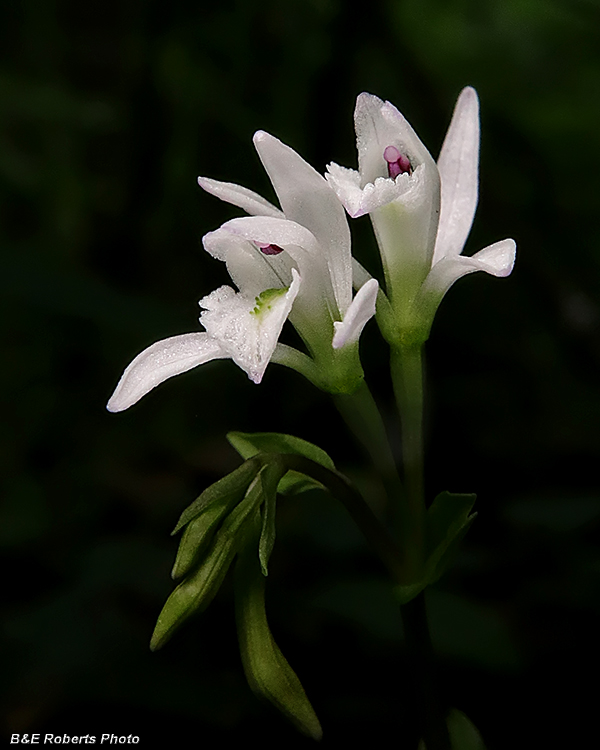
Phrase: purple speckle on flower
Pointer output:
(268, 248)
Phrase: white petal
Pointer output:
(358, 200)
(237, 195)
(298, 242)
(497, 259)
(247, 328)
(316, 302)
(251, 270)
(161, 361)
(360, 275)
(459, 167)
(307, 199)
(269, 230)
(346, 185)
(360, 311)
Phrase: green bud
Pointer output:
(197, 536)
(197, 590)
(230, 490)
(267, 671)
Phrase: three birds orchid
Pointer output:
(421, 211)
(295, 261)
(291, 262)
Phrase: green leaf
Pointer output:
(295, 483)
(270, 477)
(463, 733)
(448, 520)
(446, 516)
(406, 592)
(197, 590)
(230, 489)
(267, 670)
(249, 444)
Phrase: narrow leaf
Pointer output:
(406, 592)
(441, 561)
(267, 671)
(463, 733)
(230, 488)
(448, 520)
(249, 444)
(197, 590)
(270, 477)
(446, 515)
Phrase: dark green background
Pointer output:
(108, 112)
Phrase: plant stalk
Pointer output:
(362, 416)
(407, 375)
(420, 649)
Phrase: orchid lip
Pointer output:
(397, 163)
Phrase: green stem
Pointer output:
(296, 360)
(418, 641)
(362, 416)
(407, 375)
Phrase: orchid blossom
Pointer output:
(421, 211)
(294, 263)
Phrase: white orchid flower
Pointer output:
(421, 212)
(292, 263)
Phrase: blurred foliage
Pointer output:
(108, 112)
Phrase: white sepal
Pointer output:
(497, 260)
(307, 199)
(239, 196)
(458, 165)
(161, 361)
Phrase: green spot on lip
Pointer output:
(264, 299)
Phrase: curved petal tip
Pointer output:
(498, 259)
(161, 361)
(260, 136)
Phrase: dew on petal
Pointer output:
(397, 163)
(268, 248)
